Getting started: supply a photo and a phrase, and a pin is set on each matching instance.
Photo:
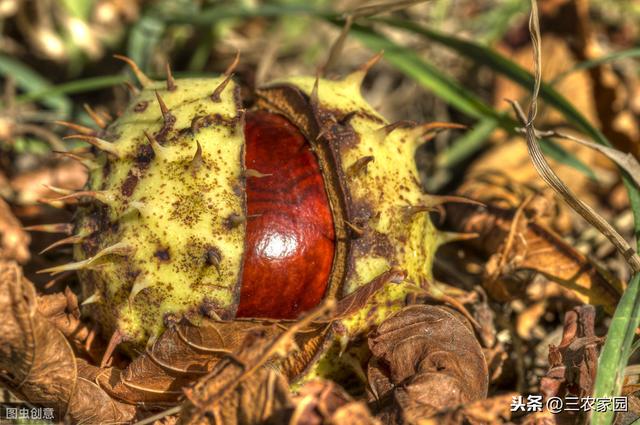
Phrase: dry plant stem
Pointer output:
(545, 171)
(626, 161)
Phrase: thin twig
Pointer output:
(626, 161)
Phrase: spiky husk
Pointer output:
(162, 234)
(170, 197)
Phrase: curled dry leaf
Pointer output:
(325, 402)
(573, 363)
(37, 364)
(518, 247)
(425, 359)
(63, 311)
(14, 242)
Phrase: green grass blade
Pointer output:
(211, 15)
(143, 39)
(31, 82)
(557, 152)
(618, 346)
(611, 57)
(77, 86)
(430, 77)
(467, 144)
(615, 352)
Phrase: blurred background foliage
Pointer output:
(58, 56)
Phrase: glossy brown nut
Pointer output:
(290, 238)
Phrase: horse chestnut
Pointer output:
(196, 207)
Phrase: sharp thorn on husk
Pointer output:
(417, 209)
(337, 47)
(134, 206)
(158, 149)
(100, 122)
(120, 248)
(101, 144)
(435, 200)
(213, 257)
(88, 163)
(323, 131)
(448, 237)
(104, 196)
(133, 90)
(357, 77)
(234, 220)
(389, 128)
(217, 92)
(65, 228)
(71, 240)
(58, 279)
(167, 117)
(171, 83)
(137, 287)
(346, 118)
(228, 75)
(142, 78)
(435, 127)
(96, 297)
(359, 166)
(196, 161)
(234, 64)
(250, 172)
(357, 230)
(77, 127)
(116, 339)
(314, 98)
(59, 190)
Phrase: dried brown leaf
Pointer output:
(63, 311)
(425, 359)
(247, 387)
(188, 351)
(360, 297)
(325, 402)
(37, 363)
(534, 248)
(222, 398)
